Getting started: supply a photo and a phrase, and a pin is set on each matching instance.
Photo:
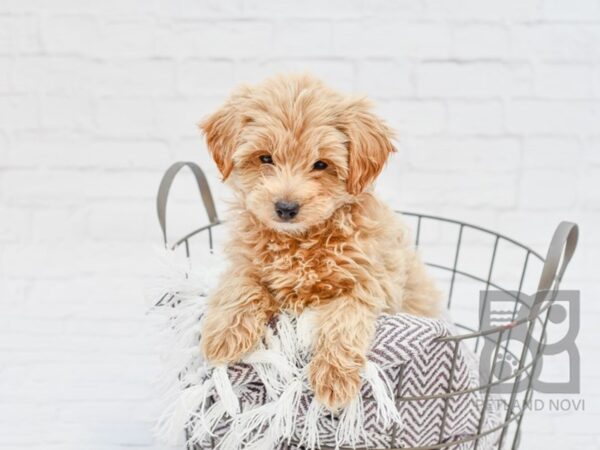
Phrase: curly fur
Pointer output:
(346, 255)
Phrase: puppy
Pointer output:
(308, 231)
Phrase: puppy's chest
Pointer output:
(298, 276)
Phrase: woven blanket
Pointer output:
(265, 402)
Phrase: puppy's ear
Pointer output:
(222, 129)
(369, 144)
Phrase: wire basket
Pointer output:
(475, 267)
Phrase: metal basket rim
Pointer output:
(420, 216)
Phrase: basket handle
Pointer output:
(562, 247)
(165, 187)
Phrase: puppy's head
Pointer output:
(295, 150)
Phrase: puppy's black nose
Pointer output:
(287, 210)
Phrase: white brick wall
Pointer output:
(497, 104)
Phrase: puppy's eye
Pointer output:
(266, 159)
(320, 165)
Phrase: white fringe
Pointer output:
(310, 433)
(225, 390)
(351, 425)
(386, 412)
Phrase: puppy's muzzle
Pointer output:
(286, 210)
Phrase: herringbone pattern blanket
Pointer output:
(265, 402)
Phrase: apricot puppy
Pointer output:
(308, 232)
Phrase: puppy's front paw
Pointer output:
(227, 344)
(334, 386)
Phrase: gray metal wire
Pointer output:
(500, 337)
